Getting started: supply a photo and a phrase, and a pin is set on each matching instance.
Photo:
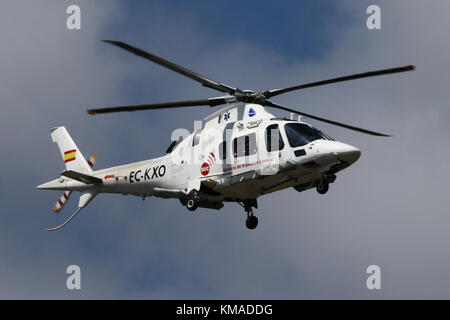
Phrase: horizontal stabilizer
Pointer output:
(81, 177)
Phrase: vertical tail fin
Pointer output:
(72, 156)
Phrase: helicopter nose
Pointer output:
(347, 153)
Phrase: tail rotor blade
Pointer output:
(66, 195)
(61, 201)
(92, 159)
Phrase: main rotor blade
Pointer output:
(174, 67)
(276, 92)
(277, 106)
(175, 104)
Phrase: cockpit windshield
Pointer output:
(323, 134)
(299, 134)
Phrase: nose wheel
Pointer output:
(322, 187)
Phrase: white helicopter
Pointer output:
(242, 152)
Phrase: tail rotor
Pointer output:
(66, 195)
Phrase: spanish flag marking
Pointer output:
(69, 155)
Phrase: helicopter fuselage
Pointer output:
(242, 152)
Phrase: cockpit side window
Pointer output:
(274, 141)
(323, 134)
(299, 134)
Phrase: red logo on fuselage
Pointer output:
(204, 169)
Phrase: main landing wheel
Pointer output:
(322, 187)
(192, 202)
(251, 222)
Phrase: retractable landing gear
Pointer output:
(252, 221)
(322, 187)
(193, 200)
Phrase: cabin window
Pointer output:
(196, 138)
(223, 150)
(274, 141)
(244, 146)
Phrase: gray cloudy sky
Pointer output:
(389, 209)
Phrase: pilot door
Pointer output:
(272, 152)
